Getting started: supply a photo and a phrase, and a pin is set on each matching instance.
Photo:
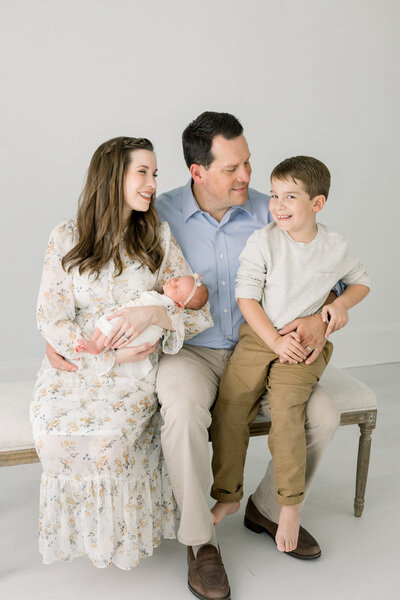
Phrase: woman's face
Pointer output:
(140, 181)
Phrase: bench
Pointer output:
(357, 404)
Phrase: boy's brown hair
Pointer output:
(312, 173)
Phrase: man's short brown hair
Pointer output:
(313, 174)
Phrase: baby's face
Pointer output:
(178, 288)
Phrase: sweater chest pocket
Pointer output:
(325, 280)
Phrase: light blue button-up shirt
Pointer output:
(212, 249)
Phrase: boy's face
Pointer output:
(179, 288)
(293, 210)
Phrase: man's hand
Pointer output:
(338, 316)
(312, 334)
(134, 353)
(57, 361)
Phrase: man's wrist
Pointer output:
(317, 316)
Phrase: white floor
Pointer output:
(360, 556)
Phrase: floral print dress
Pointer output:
(105, 492)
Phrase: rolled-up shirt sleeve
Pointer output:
(252, 271)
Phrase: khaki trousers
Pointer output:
(187, 385)
(252, 368)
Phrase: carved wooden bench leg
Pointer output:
(364, 450)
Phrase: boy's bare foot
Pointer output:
(221, 509)
(288, 528)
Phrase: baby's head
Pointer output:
(187, 291)
(299, 189)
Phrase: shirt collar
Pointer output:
(190, 205)
(247, 207)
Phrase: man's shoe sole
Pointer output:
(228, 597)
(259, 529)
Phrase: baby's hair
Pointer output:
(199, 299)
(313, 174)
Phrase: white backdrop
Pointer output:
(314, 77)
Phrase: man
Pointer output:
(211, 217)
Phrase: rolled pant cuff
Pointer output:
(226, 497)
(289, 501)
(195, 541)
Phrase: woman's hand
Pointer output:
(57, 361)
(132, 322)
(134, 353)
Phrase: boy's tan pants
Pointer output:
(252, 367)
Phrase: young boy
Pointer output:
(287, 270)
(187, 291)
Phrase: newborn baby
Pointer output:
(187, 291)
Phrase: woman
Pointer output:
(104, 489)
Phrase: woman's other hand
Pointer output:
(134, 353)
(57, 361)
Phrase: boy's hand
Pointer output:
(90, 346)
(311, 332)
(289, 349)
(338, 316)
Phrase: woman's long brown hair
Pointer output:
(100, 214)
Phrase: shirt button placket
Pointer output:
(223, 275)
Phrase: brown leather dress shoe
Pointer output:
(307, 547)
(207, 578)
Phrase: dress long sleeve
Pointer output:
(56, 310)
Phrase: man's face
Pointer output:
(226, 181)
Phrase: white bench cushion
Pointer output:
(15, 397)
(15, 426)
